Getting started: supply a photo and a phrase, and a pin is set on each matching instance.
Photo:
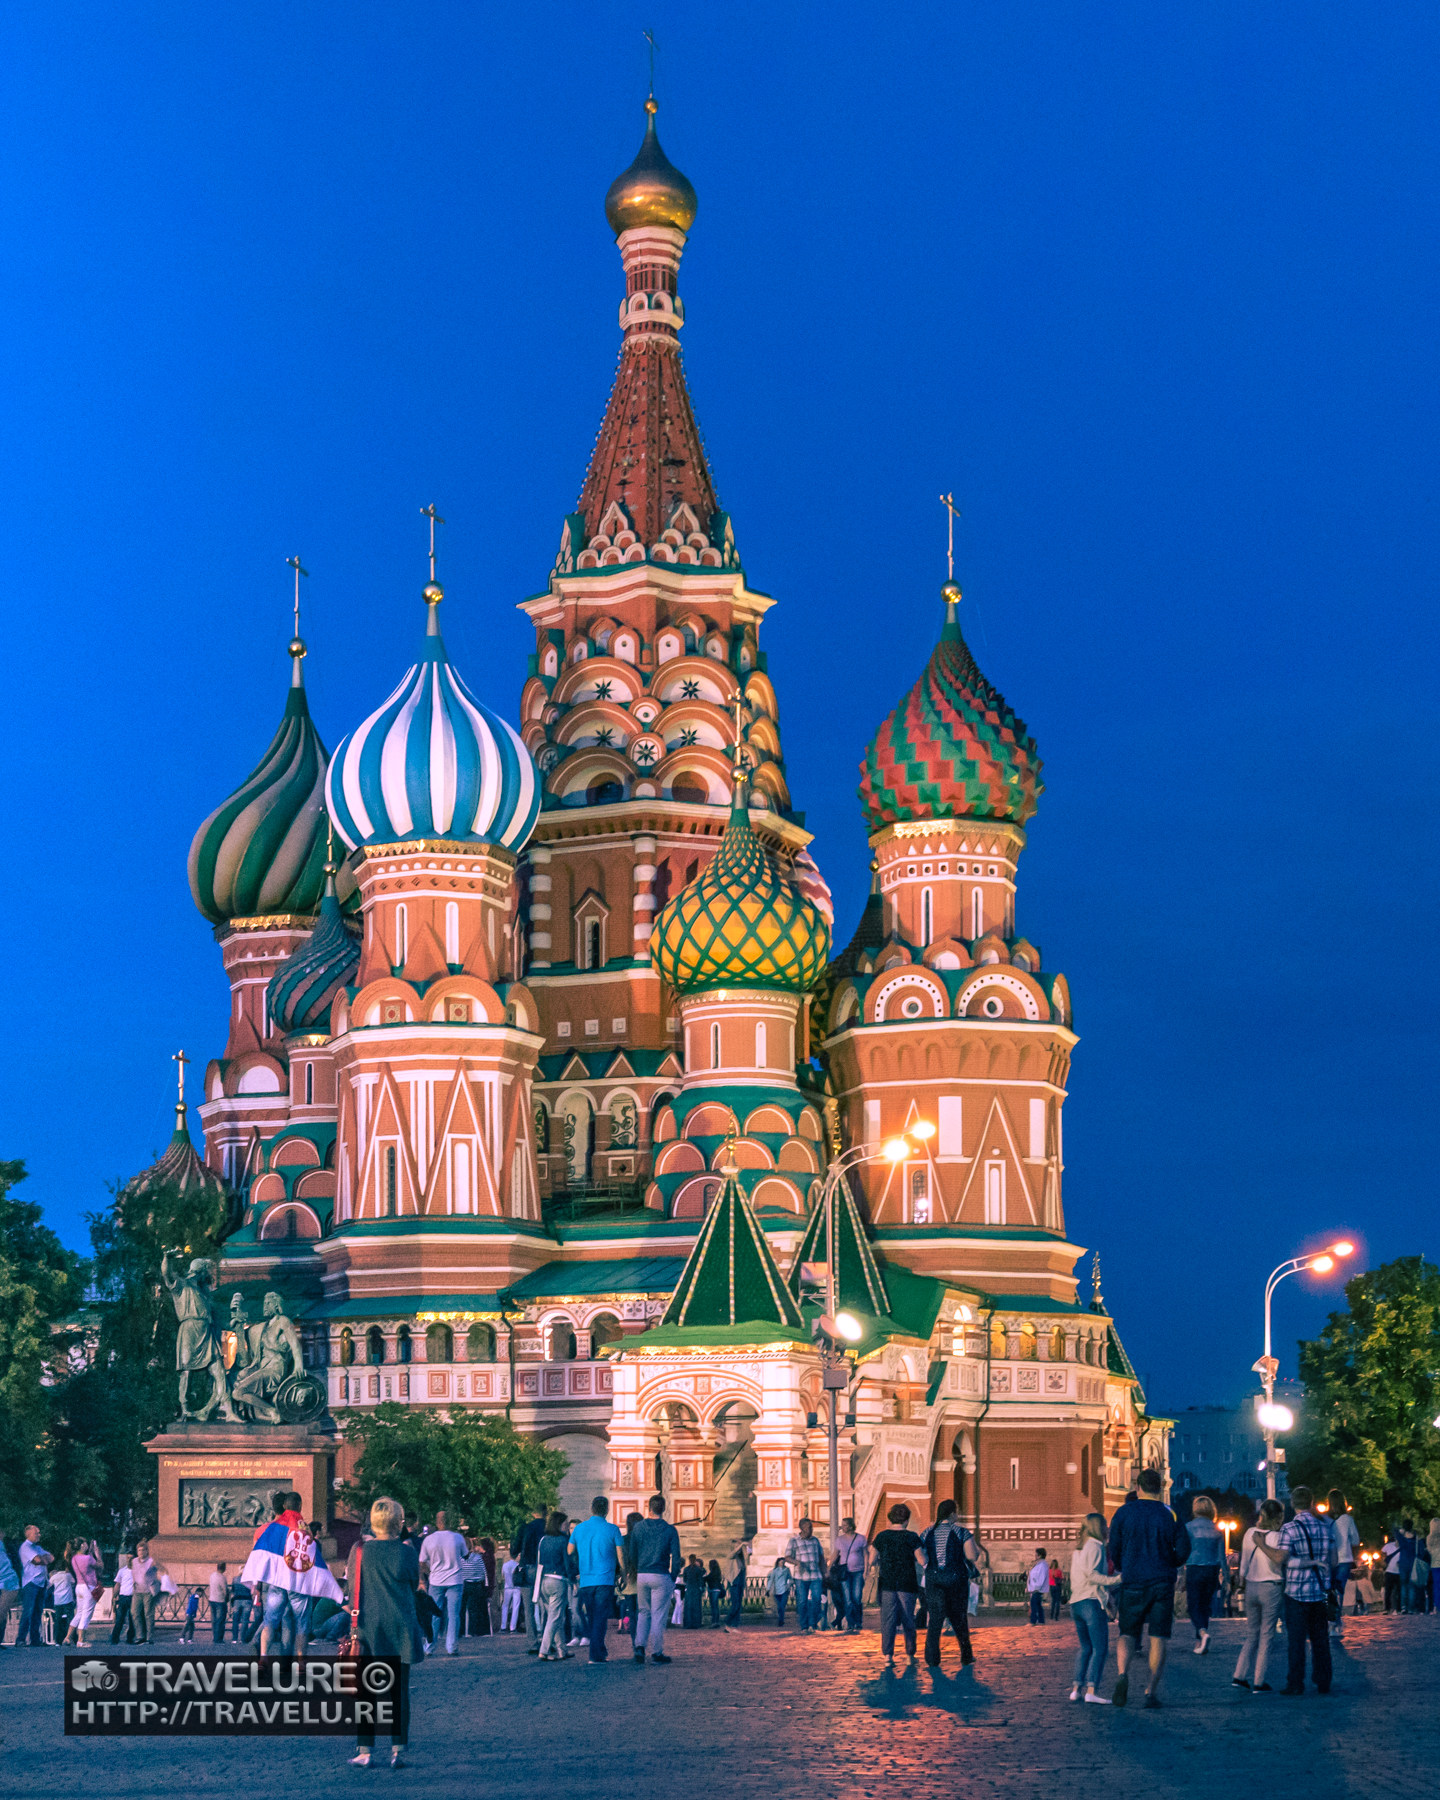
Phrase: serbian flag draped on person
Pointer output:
(286, 1556)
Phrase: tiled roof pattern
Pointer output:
(731, 1277)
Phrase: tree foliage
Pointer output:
(474, 1465)
(41, 1283)
(1372, 1382)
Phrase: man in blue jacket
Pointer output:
(657, 1563)
(1147, 1545)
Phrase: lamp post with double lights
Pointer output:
(1273, 1417)
(836, 1328)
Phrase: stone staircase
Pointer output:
(733, 1513)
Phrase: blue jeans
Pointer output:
(287, 1614)
(716, 1596)
(597, 1604)
(32, 1604)
(782, 1596)
(855, 1598)
(1088, 1618)
(448, 1600)
(807, 1602)
(737, 1600)
(1037, 1608)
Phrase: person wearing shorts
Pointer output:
(1147, 1545)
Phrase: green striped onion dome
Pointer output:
(263, 849)
(953, 748)
(302, 988)
(741, 924)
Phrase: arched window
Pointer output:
(309, 1084)
(347, 1347)
(542, 1127)
(562, 1341)
(480, 1344)
(715, 1046)
(390, 1169)
(402, 1344)
(927, 909)
(605, 1328)
(977, 913)
(1027, 1343)
(460, 1193)
(452, 931)
(402, 935)
(375, 1345)
(760, 1045)
(1057, 1348)
(592, 944)
(439, 1344)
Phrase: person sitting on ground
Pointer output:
(1147, 1545)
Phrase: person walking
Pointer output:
(383, 1579)
(658, 1563)
(715, 1588)
(1057, 1589)
(35, 1563)
(552, 1588)
(1347, 1548)
(442, 1570)
(146, 1577)
(850, 1547)
(739, 1573)
(123, 1596)
(1147, 1545)
(1037, 1586)
(1264, 1593)
(600, 1550)
(628, 1589)
(526, 1551)
(693, 1580)
(192, 1608)
(289, 1560)
(778, 1585)
(491, 1622)
(1390, 1554)
(219, 1596)
(1090, 1591)
(1307, 1559)
(946, 1547)
(85, 1566)
(1204, 1569)
(894, 1553)
(807, 1558)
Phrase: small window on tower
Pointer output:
(389, 1181)
(309, 1084)
(592, 943)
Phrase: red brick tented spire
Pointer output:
(648, 455)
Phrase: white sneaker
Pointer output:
(1204, 1643)
(1095, 1700)
(1075, 1693)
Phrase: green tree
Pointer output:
(1372, 1382)
(476, 1466)
(41, 1282)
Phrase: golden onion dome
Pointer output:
(741, 924)
(652, 191)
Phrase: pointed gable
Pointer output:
(731, 1277)
(858, 1281)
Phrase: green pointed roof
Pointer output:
(731, 1278)
(858, 1281)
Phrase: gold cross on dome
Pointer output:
(649, 37)
(429, 512)
(740, 758)
(952, 514)
(293, 562)
(182, 1059)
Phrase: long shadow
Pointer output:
(909, 1692)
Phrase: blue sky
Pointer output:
(1152, 289)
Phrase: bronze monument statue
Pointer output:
(198, 1347)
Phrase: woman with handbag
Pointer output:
(1091, 1604)
(384, 1576)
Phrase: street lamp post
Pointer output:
(1275, 1418)
(837, 1325)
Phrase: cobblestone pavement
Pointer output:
(766, 1713)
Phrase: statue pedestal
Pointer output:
(216, 1480)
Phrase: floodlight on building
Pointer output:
(849, 1327)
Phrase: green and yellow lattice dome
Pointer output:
(742, 924)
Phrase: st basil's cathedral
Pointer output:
(541, 1042)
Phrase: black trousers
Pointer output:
(942, 1603)
(1307, 1620)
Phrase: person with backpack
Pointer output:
(949, 1570)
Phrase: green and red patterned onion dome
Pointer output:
(953, 748)
(263, 850)
(302, 988)
(741, 924)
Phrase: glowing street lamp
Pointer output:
(1275, 1418)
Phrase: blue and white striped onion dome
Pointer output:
(433, 762)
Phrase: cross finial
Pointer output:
(741, 762)
(182, 1059)
(1097, 1299)
(952, 513)
(429, 512)
(293, 562)
(649, 37)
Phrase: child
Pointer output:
(779, 1585)
(192, 1607)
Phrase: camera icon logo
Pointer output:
(94, 1678)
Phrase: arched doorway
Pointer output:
(588, 1474)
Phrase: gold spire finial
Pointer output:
(297, 643)
(332, 868)
(434, 593)
(742, 761)
(181, 1059)
(950, 593)
(650, 105)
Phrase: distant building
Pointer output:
(1224, 1446)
